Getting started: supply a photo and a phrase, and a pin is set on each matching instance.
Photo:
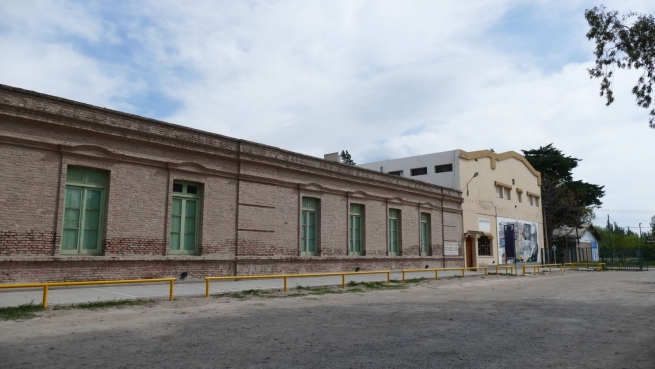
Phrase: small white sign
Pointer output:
(484, 225)
(451, 248)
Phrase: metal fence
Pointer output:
(626, 258)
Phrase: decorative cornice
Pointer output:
(499, 157)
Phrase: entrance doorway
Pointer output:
(469, 252)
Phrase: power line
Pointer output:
(602, 210)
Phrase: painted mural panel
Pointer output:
(526, 244)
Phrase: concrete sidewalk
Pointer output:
(71, 295)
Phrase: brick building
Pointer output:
(90, 193)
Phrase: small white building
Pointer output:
(576, 244)
(502, 195)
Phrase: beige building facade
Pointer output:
(90, 193)
(502, 197)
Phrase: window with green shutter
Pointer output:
(84, 207)
(355, 228)
(394, 228)
(185, 215)
(425, 234)
(308, 221)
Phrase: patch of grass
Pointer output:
(105, 304)
(282, 295)
(382, 286)
(414, 280)
(307, 291)
(243, 295)
(457, 276)
(395, 281)
(326, 291)
(20, 312)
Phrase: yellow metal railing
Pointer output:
(512, 269)
(437, 270)
(598, 266)
(47, 285)
(534, 267)
(285, 277)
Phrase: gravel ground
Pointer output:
(559, 320)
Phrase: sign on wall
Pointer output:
(451, 248)
(484, 225)
(526, 241)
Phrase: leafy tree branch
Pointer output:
(624, 43)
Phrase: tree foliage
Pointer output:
(624, 43)
(615, 236)
(346, 158)
(566, 202)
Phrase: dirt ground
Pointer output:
(560, 320)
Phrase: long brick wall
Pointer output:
(250, 200)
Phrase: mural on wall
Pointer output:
(526, 244)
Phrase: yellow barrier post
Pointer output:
(206, 287)
(170, 293)
(44, 303)
(285, 283)
(403, 276)
(436, 275)
(388, 277)
(343, 280)
(463, 269)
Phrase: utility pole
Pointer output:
(609, 229)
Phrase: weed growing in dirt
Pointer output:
(326, 291)
(243, 295)
(382, 286)
(415, 280)
(105, 304)
(20, 312)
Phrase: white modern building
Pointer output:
(502, 197)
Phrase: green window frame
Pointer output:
(185, 218)
(394, 230)
(425, 234)
(84, 210)
(355, 229)
(308, 222)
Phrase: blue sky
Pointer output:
(382, 79)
